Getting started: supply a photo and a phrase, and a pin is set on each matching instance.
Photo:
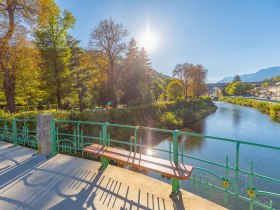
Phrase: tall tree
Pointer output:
(83, 71)
(51, 40)
(107, 38)
(15, 14)
(236, 78)
(129, 77)
(197, 84)
(181, 72)
(79, 73)
(145, 85)
(28, 73)
(192, 77)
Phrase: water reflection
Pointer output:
(189, 143)
(234, 122)
(236, 117)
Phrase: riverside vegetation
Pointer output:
(168, 115)
(269, 108)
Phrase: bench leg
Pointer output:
(104, 163)
(175, 188)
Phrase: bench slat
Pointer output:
(164, 167)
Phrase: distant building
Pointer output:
(275, 90)
(260, 91)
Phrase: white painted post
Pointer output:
(44, 136)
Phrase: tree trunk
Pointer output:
(112, 95)
(81, 96)
(81, 101)
(58, 95)
(9, 89)
(111, 86)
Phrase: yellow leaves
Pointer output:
(24, 64)
(46, 9)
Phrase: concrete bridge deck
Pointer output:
(64, 182)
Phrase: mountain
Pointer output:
(256, 77)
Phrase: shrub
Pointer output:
(160, 114)
(266, 107)
(169, 120)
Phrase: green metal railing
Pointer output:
(71, 136)
(19, 132)
(230, 177)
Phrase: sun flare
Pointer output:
(148, 40)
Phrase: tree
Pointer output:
(157, 90)
(81, 73)
(107, 38)
(15, 15)
(265, 84)
(236, 78)
(236, 88)
(197, 75)
(129, 78)
(249, 88)
(145, 83)
(175, 90)
(28, 73)
(181, 72)
(192, 77)
(25, 66)
(51, 40)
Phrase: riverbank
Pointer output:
(264, 106)
(169, 115)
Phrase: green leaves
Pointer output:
(51, 40)
(175, 90)
(236, 88)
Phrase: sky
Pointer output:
(227, 37)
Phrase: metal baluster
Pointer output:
(236, 168)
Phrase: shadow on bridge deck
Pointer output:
(64, 182)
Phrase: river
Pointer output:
(234, 122)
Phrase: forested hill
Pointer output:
(161, 78)
(256, 77)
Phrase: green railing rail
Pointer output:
(228, 177)
(231, 179)
(19, 132)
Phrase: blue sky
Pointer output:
(228, 37)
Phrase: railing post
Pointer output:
(14, 128)
(105, 133)
(45, 134)
(53, 135)
(104, 161)
(236, 168)
(6, 130)
(135, 139)
(175, 182)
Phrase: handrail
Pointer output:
(72, 139)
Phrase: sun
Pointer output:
(148, 40)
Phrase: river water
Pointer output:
(234, 122)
